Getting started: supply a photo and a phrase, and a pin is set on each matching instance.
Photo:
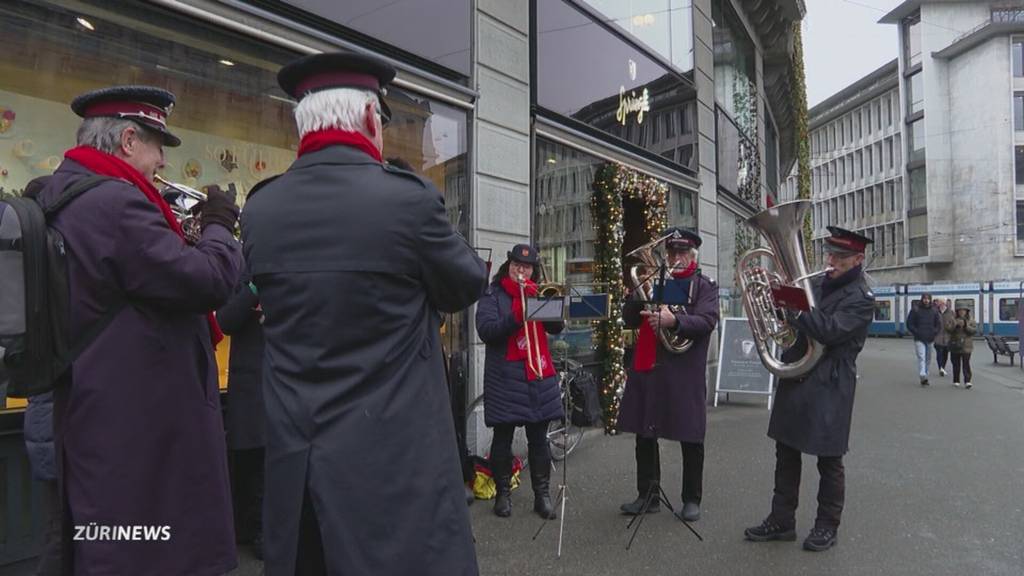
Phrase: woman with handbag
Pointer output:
(520, 382)
(961, 329)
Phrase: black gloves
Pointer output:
(220, 208)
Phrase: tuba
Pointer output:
(185, 203)
(782, 227)
(645, 254)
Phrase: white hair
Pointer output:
(340, 108)
(104, 133)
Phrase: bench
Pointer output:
(1000, 347)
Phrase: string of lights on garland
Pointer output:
(612, 184)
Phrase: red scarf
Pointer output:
(110, 165)
(321, 139)
(646, 340)
(516, 349)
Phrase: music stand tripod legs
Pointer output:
(655, 494)
(563, 489)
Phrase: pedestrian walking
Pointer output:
(961, 329)
(924, 323)
(812, 414)
(520, 383)
(354, 261)
(941, 341)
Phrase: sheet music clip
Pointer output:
(672, 291)
(585, 303)
(541, 309)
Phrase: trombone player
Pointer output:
(666, 384)
(812, 413)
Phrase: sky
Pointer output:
(843, 42)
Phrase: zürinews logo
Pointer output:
(94, 532)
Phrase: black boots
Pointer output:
(540, 477)
(502, 470)
(635, 507)
(769, 531)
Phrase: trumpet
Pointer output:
(185, 202)
(534, 361)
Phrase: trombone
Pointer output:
(534, 361)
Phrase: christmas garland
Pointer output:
(612, 184)
(803, 146)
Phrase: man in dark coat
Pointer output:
(924, 323)
(666, 394)
(812, 414)
(242, 318)
(139, 434)
(354, 260)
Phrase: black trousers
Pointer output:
(247, 493)
(51, 551)
(941, 354)
(309, 557)
(962, 359)
(831, 488)
(536, 438)
(648, 468)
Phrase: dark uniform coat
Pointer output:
(139, 429)
(509, 398)
(354, 260)
(670, 401)
(813, 414)
(244, 416)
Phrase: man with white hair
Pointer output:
(354, 260)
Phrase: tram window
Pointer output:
(966, 303)
(1007, 309)
(883, 311)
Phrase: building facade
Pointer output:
(509, 106)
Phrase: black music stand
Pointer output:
(651, 498)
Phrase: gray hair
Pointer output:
(104, 133)
(340, 108)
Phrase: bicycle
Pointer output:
(560, 444)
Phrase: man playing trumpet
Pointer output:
(666, 392)
(812, 413)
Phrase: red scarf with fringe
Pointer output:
(516, 349)
(109, 165)
(646, 340)
(320, 139)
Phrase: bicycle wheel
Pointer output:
(563, 439)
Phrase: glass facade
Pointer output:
(915, 93)
(1017, 56)
(665, 27)
(915, 140)
(735, 80)
(400, 23)
(623, 93)
(912, 41)
(735, 238)
(1018, 111)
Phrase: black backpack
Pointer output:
(35, 320)
(586, 402)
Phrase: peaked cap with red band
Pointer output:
(682, 239)
(844, 241)
(336, 70)
(525, 254)
(146, 105)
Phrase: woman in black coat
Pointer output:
(518, 392)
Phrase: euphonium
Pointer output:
(782, 227)
(185, 207)
(669, 339)
(534, 362)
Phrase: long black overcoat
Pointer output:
(139, 433)
(240, 319)
(670, 401)
(813, 414)
(353, 261)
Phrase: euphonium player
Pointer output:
(520, 385)
(666, 393)
(812, 414)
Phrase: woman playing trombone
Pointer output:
(520, 384)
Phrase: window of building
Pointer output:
(915, 93)
(878, 114)
(1020, 226)
(918, 189)
(1018, 163)
(867, 120)
(664, 26)
(1017, 53)
(1008, 309)
(869, 162)
(918, 231)
(916, 140)
(734, 60)
(856, 125)
(887, 102)
(912, 41)
(1018, 111)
